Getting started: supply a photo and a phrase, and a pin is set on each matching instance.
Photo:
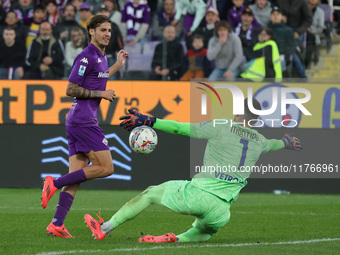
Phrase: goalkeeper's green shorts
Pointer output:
(211, 212)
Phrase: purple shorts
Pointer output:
(85, 139)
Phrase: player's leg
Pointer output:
(91, 142)
(152, 195)
(206, 226)
(66, 197)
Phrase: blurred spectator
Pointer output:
(195, 13)
(262, 10)
(74, 47)
(38, 17)
(135, 21)
(284, 36)
(45, 57)
(195, 57)
(266, 64)
(115, 14)
(172, 60)
(227, 5)
(116, 42)
(24, 10)
(2, 14)
(77, 4)
(95, 5)
(233, 16)
(85, 14)
(247, 32)
(163, 19)
(13, 22)
(299, 18)
(211, 19)
(6, 4)
(226, 48)
(63, 28)
(314, 32)
(12, 56)
(52, 12)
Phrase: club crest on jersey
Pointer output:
(105, 141)
(103, 75)
(84, 60)
(81, 70)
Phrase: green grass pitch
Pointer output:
(259, 224)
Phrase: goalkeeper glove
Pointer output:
(291, 142)
(136, 119)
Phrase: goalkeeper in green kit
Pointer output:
(209, 195)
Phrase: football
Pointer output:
(143, 140)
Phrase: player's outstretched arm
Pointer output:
(74, 90)
(122, 55)
(136, 119)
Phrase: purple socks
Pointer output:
(70, 178)
(64, 205)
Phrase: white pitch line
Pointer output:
(113, 209)
(189, 246)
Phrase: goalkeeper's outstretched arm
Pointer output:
(173, 127)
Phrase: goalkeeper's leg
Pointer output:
(152, 195)
(206, 226)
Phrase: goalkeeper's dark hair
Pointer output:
(248, 115)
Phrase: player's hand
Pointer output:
(109, 95)
(122, 55)
(136, 119)
(291, 142)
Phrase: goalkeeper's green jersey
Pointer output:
(230, 154)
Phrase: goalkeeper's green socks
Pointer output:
(193, 235)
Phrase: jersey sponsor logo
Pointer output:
(99, 61)
(81, 70)
(84, 60)
(103, 75)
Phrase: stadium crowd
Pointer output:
(167, 39)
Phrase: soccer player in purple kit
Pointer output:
(86, 140)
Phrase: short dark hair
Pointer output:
(198, 36)
(69, 4)
(9, 28)
(95, 22)
(38, 7)
(268, 31)
(248, 115)
(222, 23)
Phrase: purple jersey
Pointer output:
(134, 16)
(90, 71)
(234, 15)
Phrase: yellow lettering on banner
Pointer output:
(45, 102)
